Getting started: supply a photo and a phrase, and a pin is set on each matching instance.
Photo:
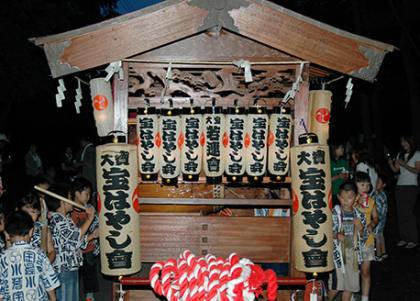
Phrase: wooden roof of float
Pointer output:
(262, 22)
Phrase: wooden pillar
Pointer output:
(120, 90)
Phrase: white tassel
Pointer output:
(60, 95)
(247, 69)
(349, 92)
(114, 67)
(295, 87)
(78, 97)
(168, 78)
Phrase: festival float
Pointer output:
(215, 100)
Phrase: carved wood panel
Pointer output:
(205, 82)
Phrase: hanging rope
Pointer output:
(209, 279)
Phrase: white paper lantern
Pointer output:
(256, 143)
(320, 114)
(103, 106)
(214, 126)
(192, 139)
(236, 126)
(118, 209)
(312, 217)
(170, 149)
(148, 139)
(279, 143)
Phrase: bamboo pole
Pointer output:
(59, 197)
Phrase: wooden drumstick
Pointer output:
(355, 244)
(59, 197)
(343, 247)
(44, 234)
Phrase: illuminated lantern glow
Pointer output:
(170, 149)
(118, 209)
(236, 121)
(279, 143)
(103, 105)
(256, 143)
(192, 149)
(312, 221)
(148, 137)
(215, 139)
(320, 113)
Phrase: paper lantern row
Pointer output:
(235, 144)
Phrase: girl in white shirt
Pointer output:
(407, 164)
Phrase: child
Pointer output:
(80, 193)
(41, 236)
(366, 205)
(68, 241)
(382, 207)
(43, 183)
(339, 169)
(36, 277)
(345, 216)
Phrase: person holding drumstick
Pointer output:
(349, 233)
(68, 239)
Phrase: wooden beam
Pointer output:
(304, 40)
(122, 40)
(230, 202)
(174, 20)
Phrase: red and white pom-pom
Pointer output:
(209, 279)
